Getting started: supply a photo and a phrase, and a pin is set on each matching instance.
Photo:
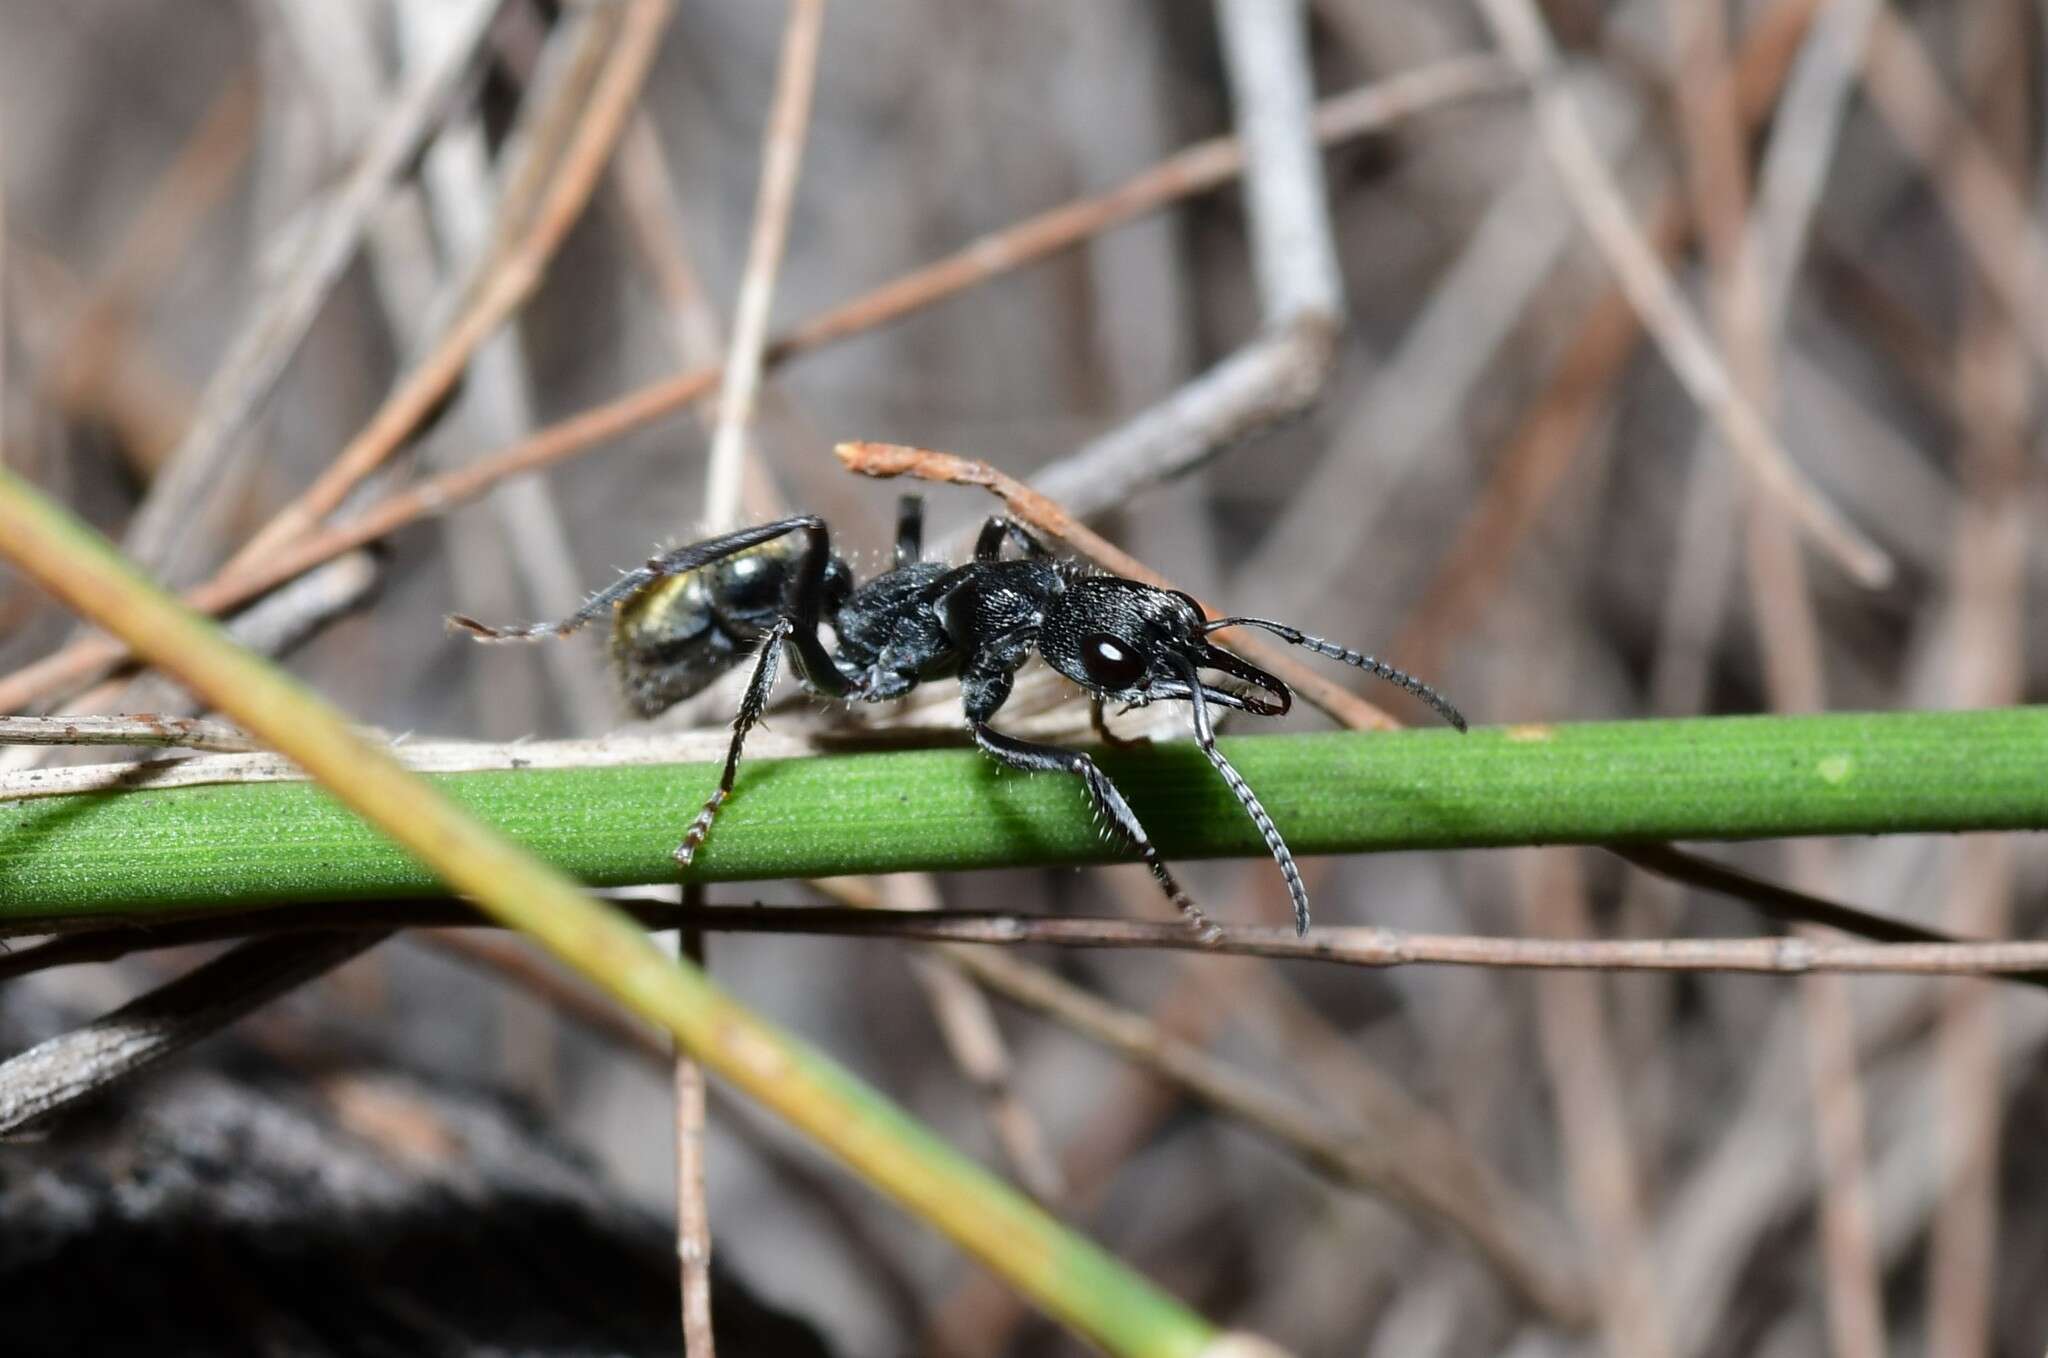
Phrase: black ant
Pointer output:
(691, 614)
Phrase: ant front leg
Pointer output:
(984, 692)
(751, 706)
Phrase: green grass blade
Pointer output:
(1727, 778)
(1066, 1274)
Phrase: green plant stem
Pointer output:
(1730, 778)
(1073, 1279)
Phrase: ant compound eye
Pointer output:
(1109, 662)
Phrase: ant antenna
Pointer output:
(1205, 736)
(483, 631)
(597, 605)
(1401, 678)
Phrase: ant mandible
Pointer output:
(691, 614)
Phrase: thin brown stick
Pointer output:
(46, 1079)
(651, 210)
(189, 733)
(1750, 305)
(263, 347)
(1198, 169)
(1572, 1033)
(1996, 227)
(514, 274)
(3, 311)
(649, 200)
(1519, 28)
(522, 547)
(967, 1026)
(1847, 1230)
(131, 391)
(891, 459)
(693, 1207)
(1130, 1107)
(1354, 946)
(1534, 465)
(781, 157)
(782, 149)
(1514, 1244)
(1988, 584)
(1282, 370)
(172, 210)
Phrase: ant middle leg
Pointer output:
(998, 529)
(1109, 802)
(762, 683)
(909, 530)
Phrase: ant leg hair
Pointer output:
(909, 530)
(678, 561)
(998, 529)
(1035, 758)
(1380, 668)
(1205, 736)
(751, 706)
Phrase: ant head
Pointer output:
(1130, 643)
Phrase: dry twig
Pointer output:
(1523, 37)
(44, 1080)
(1991, 216)
(513, 271)
(272, 334)
(1040, 511)
(1265, 50)
(1352, 946)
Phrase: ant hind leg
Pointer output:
(758, 688)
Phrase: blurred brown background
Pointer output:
(1500, 484)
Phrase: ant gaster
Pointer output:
(691, 614)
